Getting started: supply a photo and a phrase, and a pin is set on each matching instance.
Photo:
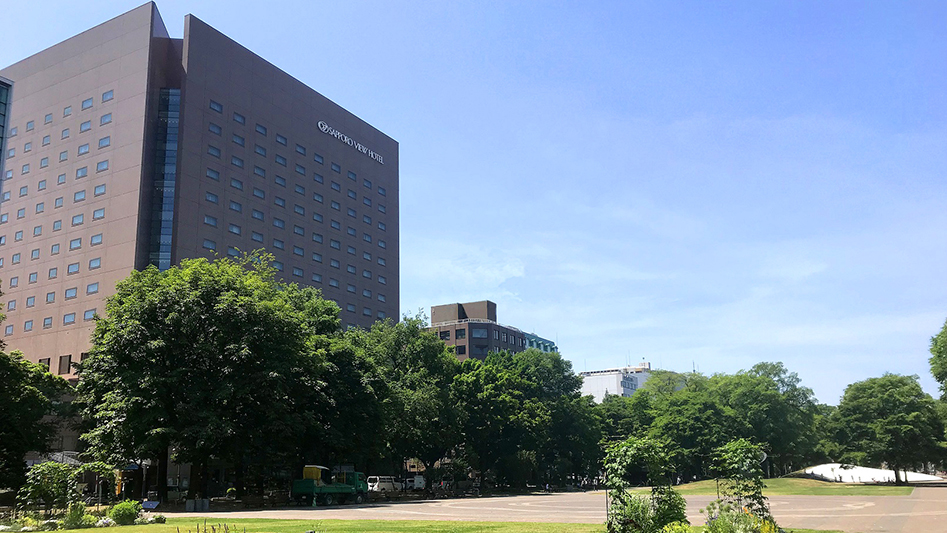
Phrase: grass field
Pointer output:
(788, 486)
(191, 525)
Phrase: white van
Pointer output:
(384, 484)
(414, 483)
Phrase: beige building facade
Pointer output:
(124, 147)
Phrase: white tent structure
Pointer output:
(859, 474)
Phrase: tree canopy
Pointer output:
(28, 395)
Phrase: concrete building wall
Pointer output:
(327, 211)
(618, 381)
(82, 163)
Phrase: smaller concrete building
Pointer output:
(618, 381)
(473, 330)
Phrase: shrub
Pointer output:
(105, 522)
(676, 527)
(668, 506)
(634, 515)
(159, 519)
(76, 517)
(725, 518)
(124, 513)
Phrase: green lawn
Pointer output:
(190, 525)
(788, 486)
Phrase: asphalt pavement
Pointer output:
(923, 511)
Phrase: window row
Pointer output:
(66, 112)
(40, 207)
(69, 294)
(280, 139)
(67, 320)
(54, 248)
(83, 149)
(77, 220)
(53, 273)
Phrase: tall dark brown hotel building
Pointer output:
(123, 147)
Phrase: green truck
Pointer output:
(321, 487)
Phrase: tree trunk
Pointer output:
(239, 475)
(162, 473)
(897, 476)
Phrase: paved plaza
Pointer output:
(923, 511)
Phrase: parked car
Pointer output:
(384, 484)
(414, 483)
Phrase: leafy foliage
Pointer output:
(628, 463)
(29, 394)
(738, 464)
(889, 420)
(125, 513)
(938, 359)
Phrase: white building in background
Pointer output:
(618, 381)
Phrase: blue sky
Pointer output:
(688, 183)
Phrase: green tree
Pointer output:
(420, 418)
(50, 484)
(624, 417)
(891, 421)
(213, 357)
(771, 408)
(29, 394)
(634, 461)
(938, 359)
(694, 423)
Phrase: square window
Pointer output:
(46, 140)
(256, 237)
(21, 212)
(261, 129)
(235, 229)
(257, 214)
(300, 170)
(71, 293)
(37, 231)
(258, 171)
(30, 301)
(83, 149)
(236, 184)
(236, 206)
(102, 166)
(8, 330)
(336, 168)
(108, 95)
(65, 134)
(44, 162)
(47, 323)
(77, 220)
(105, 141)
(28, 325)
(211, 197)
(214, 128)
(34, 254)
(89, 314)
(209, 244)
(239, 140)
(213, 174)
(98, 214)
(72, 268)
(318, 158)
(48, 119)
(238, 118)
(213, 151)
(54, 249)
(106, 119)
(99, 190)
(86, 104)
(80, 173)
(96, 239)
(68, 318)
(215, 106)
(92, 288)
(66, 111)
(50, 297)
(14, 281)
(41, 186)
(278, 244)
(78, 196)
(236, 161)
(24, 190)
(30, 125)
(57, 225)
(298, 230)
(53, 273)
(210, 221)
(260, 150)
(63, 156)
(259, 193)
(85, 126)
(95, 263)
(280, 160)
(281, 140)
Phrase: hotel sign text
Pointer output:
(329, 130)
